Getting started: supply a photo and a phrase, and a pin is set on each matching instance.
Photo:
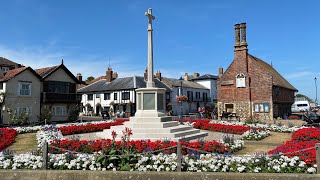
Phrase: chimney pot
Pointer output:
(237, 35)
(186, 77)
(220, 73)
(109, 74)
(79, 77)
(243, 34)
(158, 75)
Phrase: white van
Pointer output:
(300, 106)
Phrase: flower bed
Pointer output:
(248, 133)
(273, 127)
(138, 146)
(302, 144)
(255, 135)
(164, 162)
(77, 129)
(7, 136)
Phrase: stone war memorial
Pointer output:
(150, 120)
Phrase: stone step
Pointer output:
(194, 136)
(179, 128)
(186, 132)
(163, 130)
(151, 119)
(147, 125)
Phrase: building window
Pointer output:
(59, 87)
(24, 89)
(197, 95)
(90, 97)
(5, 69)
(125, 96)
(1, 85)
(191, 94)
(106, 96)
(204, 96)
(188, 95)
(241, 80)
(261, 107)
(115, 96)
(20, 110)
(97, 95)
(58, 110)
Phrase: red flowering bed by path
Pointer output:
(74, 129)
(301, 139)
(138, 146)
(231, 129)
(7, 136)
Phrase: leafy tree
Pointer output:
(90, 78)
(45, 114)
(304, 96)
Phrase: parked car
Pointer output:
(300, 106)
(311, 117)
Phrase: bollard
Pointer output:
(179, 156)
(318, 157)
(44, 155)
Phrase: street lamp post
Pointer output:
(180, 94)
(315, 82)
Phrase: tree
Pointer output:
(90, 78)
(304, 96)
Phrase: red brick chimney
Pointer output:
(79, 77)
(109, 74)
(158, 75)
(241, 48)
(220, 73)
(114, 75)
(145, 75)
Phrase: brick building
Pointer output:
(252, 88)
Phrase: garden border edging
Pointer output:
(85, 175)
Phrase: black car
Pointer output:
(311, 117)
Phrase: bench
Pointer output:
(230, 116)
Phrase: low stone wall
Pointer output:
(88, 175)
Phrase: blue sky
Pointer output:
(189, 36)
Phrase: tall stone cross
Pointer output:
(150, 82)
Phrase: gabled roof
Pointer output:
(206, 76)
(14, 72)
(124, 83)
(278, 80)
(45, 72)
(8, 62)
(171, 82)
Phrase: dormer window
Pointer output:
(240, 80)
(5, 69)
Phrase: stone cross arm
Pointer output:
(149, 15)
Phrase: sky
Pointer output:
(189, 36)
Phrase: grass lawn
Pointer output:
(24, 143)
(269, 143)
